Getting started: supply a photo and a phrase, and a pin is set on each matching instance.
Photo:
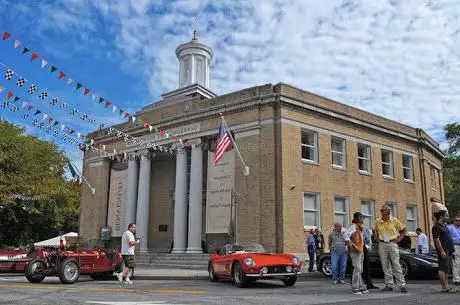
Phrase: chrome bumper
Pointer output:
(272, 274)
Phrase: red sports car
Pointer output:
(247, 262)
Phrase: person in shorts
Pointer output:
(443, 243)
(128, 244)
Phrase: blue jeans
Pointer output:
(339, 265)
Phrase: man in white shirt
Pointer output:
(128, 243)
(421, 243)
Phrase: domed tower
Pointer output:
(194, 63)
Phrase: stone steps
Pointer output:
(197, 261)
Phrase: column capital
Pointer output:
(195, 141)
(145, 153)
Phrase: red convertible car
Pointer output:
(247, 262)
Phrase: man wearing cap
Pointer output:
(354, 237)
(454, 230)
(443, 242)
(390, 231)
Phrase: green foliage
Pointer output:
(451, 168)
(30, 167)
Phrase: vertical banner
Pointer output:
(117, 198)
(221, 180)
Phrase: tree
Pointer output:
(451, 168)
(33, 167)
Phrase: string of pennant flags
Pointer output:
(79, 86)
(36, 197)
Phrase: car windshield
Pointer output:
(249, 248)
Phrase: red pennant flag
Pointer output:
(126, 115)
(6, 35)
(10, 94)
(146, 125)
(30, 107)
(34, 56)
(61, 75)
(107, 104)
(50, 119)
(174, 139)
(162, 132)
(86, 91)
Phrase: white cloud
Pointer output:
(398, 59)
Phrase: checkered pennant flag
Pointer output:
(20, 82)
(92, 120)
(9, 74)
(54, 101)
(56, 132)
(35, 122)
(43, 95)
(64, 106)
(48, 130)
(101, 126)
(15, 109)
(4, 104)
(32, 89)
(26, 116)
(73, 111)
(84, 117)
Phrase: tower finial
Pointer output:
(194, 34)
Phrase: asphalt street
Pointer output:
(16, 290)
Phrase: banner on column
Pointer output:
(219, 193)
(117, 198)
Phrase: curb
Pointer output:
(301, 278)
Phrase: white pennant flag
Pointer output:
(2, 88)
(44, 62)
(24, 104)
(45, 116)
(94, 96)
(62, 126)
(17, 43)
(69, 81)
(103, 147)
(92, 141)
(150, 128)
(114, 108)
(133, 118)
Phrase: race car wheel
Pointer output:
(212, 275)
(290, 281)
(35, 271)
(69, 271)
(239, 278)
(326, 267)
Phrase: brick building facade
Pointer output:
(312, 161)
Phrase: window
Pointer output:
(408, 168)
(393, 208)
(200, 70)
(411, 218)
(367, 209)
(434, 185)
(364, 158)
(387, 163)
(341, 210)
(338, 150)
(311, 207)
(186, 71)
(309, 144)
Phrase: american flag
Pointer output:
(223, 143)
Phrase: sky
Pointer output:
(397, 59)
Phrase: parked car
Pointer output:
(412, 264)
(67, 264)
(247, 262)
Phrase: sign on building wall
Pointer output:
(117, 199)
(219, 193)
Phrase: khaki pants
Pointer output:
(357, 261)
(456, 264)
(389, 256)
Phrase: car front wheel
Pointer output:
(238, 275)
(35, 271)
(326, 267)
(290, 281)
(405, 268)
(69, 271)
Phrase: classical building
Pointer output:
(312, 162)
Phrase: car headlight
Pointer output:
(288, 269)
(296, 260)
(249, 262)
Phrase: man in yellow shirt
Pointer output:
(389, 231)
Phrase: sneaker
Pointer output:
(128, 282)
(364, 291)
(387, 288)
(120, 277)
(403, 289)
(341, 282)
(356, 291)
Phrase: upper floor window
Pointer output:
(411, 218)
(338, 150)
(311, 209)
(364, 158)
(433, 172)
(341, 210)
(387, 163)
(309, 143)
(408, 169)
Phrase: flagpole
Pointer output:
(246, 168)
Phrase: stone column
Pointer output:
(142, 216)
(130, 210)
(180, 203)
(195, 200)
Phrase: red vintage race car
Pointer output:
(247, 262)
(67, 264)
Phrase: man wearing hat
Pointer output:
(389, 231)
(443, 242)
(354, 237)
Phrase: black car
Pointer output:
(412, 264)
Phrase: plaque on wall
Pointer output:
(163, 228)
(117, 199)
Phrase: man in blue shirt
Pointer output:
(454, 230)
(311, 250)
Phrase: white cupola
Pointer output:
(194, 63)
